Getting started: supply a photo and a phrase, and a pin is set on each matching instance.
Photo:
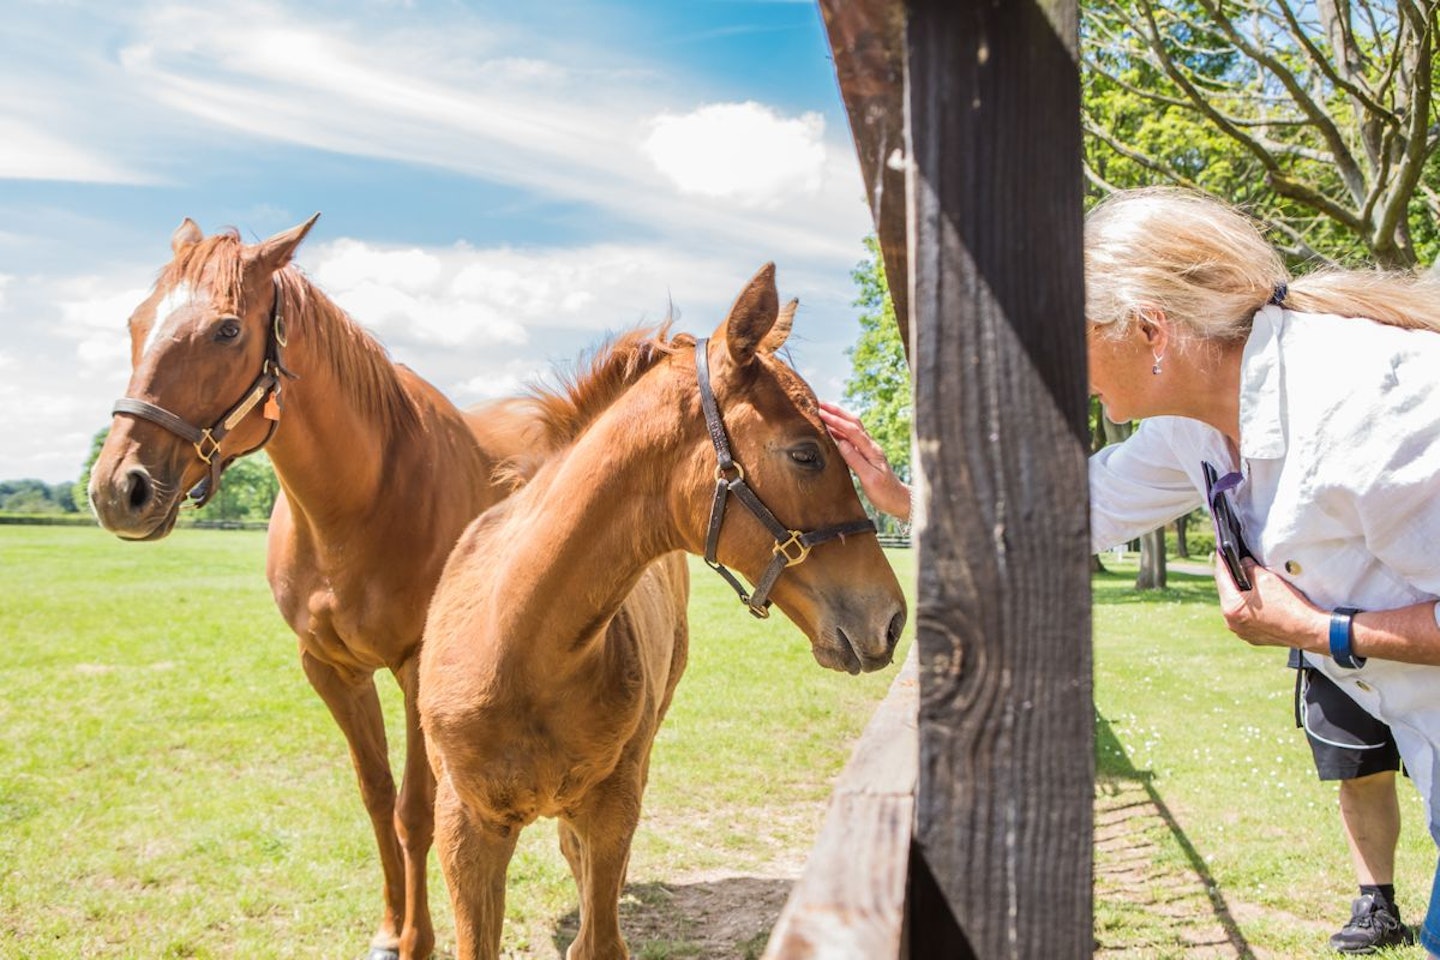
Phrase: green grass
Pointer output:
(171, 787)
(1205, 724)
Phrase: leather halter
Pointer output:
(791, 546)
(206, 440)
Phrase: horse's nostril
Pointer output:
(892, 633)
(140, 488)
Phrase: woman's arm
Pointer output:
(869, 463)
(1275, 614)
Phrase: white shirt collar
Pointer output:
(1262, 386)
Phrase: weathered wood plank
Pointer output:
(867, 39)
(1003, 816)
(850, 902)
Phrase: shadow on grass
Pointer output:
(731, 917)
(1112, 587)
(1113, 763)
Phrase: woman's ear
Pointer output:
(1154, 326)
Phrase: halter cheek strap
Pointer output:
(207, 439)
(791, 546)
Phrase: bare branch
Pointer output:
(1297, 248)
(1096, 179)
(1350, 171)
(1347, 83)
(1144, 159)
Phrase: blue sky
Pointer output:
(500, 185)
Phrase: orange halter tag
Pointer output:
(272, 406)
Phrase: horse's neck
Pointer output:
(330, 450)
(583, 533)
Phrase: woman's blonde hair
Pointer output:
(1207, 266)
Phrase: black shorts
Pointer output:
(1346, 741)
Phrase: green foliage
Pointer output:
(247, 491)
(81, 490)
(878, 390)
(35, 496)
(1255, 104)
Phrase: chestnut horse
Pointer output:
(379, 474)
(557, 633)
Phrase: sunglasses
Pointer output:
(1229, 538)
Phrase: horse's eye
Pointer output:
(229, 329)
(807, 455)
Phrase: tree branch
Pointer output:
(1277, 178)
(1350, 172)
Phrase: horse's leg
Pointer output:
(415, 822)
(602, 829)
(474, 858)
(355, 705)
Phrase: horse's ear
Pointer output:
(277, 251)
(752, 317)
(779, 333)
(187, 233)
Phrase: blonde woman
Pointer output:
(1316, 401)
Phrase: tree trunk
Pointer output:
(1152, 561)
(1182, 530)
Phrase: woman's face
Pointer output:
(1120, 370)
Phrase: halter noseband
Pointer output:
(207, 439)
(791, 546)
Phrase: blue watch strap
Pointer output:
(1342, 622)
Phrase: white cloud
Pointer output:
(462, 296)
(33, 154)
(451, 98)
(93, 314)
(744, 152)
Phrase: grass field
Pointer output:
(1202, 725)
(170, 787)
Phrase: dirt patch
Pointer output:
(720, 917)
(1149, 904)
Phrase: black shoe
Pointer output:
(1373, 924)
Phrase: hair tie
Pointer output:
(1278, 297)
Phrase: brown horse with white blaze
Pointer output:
(379, 474)
(557, 633)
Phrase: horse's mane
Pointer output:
(361, 365)
(567, 408)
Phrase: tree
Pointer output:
(247, 492)
(878, 389)
(82, 486)
(1318, 115)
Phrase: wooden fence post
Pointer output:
(1004, 808)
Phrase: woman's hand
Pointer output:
(1273, 613)
(864, 456)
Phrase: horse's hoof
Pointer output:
(383, 953)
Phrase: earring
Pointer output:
(1156, 369)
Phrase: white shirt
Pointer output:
(1340, 450)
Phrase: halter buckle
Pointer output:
(720, 473)
(801, 549)
(207, 454)
(759, 613)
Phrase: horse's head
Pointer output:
(205, 374)
(806, 542)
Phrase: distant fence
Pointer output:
(85, 520)
(48, 519)
(894, 540)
